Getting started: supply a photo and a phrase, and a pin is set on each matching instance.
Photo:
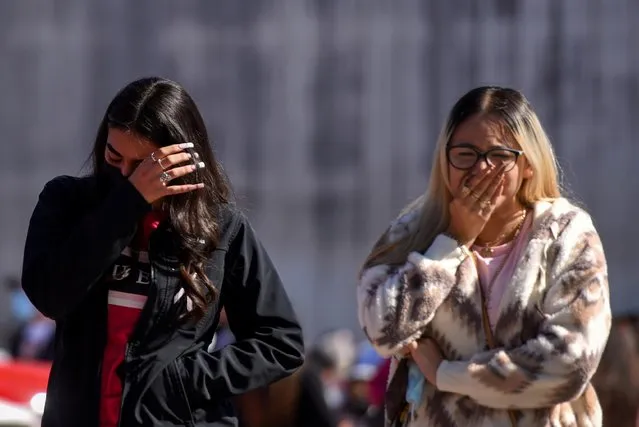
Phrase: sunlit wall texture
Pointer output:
(325, 112)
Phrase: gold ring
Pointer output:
(474, 195)
(465, 191)
(484, 204)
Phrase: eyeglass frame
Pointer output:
(481, 155)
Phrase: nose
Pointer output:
(127, 168)
(481, 165)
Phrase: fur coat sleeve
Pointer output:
(395, 303)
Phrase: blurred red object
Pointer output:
(21, 380)
(378, 384)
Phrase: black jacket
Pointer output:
(77, 231)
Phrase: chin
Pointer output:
(499, 206)
(505, 203)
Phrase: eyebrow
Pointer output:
(471, 145)
(113, 150)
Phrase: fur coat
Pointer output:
(553, 324)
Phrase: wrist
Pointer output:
(461, 241)
(433, 374)
(137, 186)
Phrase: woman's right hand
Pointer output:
(152, 177)
(473, 205)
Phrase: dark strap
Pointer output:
(395, 397)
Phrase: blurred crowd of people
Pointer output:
(353, 379)
(343, 381)
(342, 384)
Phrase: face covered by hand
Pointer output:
(109, 177)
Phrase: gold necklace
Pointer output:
(489, 288)
(488, 249)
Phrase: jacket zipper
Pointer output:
(133, 342)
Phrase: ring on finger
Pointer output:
(155, 160)
(474, 195)
(465, 191)
(484, 204)
(165, 177)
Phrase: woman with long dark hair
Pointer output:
(135, 262)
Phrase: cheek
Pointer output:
(456, 177)
(512, 184)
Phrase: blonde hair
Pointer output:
(513, 111)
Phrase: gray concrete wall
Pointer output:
(325, 112)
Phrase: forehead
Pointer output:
(130, 145)
(483, 132)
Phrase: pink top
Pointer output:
(487, 267)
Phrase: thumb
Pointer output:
(409, 348)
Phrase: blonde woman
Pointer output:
(491, 286)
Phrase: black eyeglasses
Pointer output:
(466, 156)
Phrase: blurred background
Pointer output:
(325, 114)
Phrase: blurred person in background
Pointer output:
(34, 339)
(357, 408)
(378, 392)
(617, 379)
(359, 405)
(331, 357)
(295, 401)
(31, 334)
(490, 292)
(314, 396)
(15, 310)
(134, 263)
(21, 308)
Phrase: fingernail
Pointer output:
(189, 155)
(187, 145)
(196, 155)
(200, 165)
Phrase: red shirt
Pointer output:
(128, 283)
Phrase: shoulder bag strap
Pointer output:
(490, 338)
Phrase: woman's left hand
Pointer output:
(427, 356)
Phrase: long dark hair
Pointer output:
(161, 111)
